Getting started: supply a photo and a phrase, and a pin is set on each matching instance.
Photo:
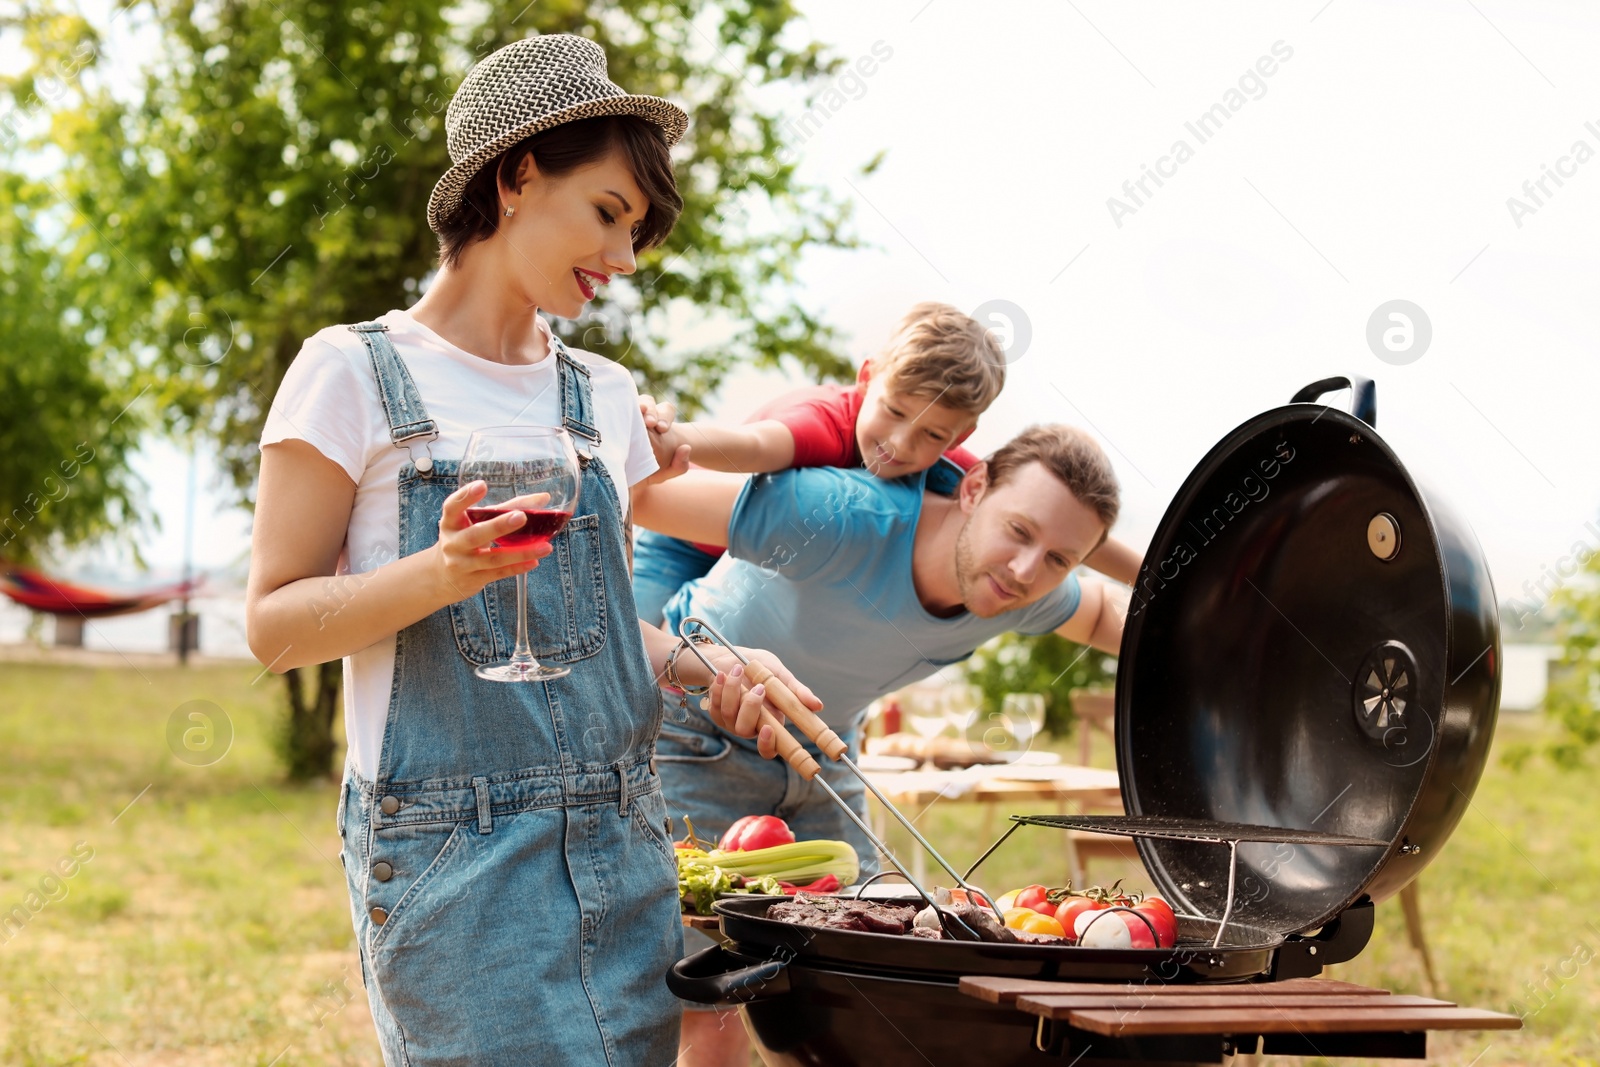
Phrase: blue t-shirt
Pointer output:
(818, 571)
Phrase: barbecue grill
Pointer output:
(1306, 692)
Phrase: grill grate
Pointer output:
(1231, 834)
(1176, 829)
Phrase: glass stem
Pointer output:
(522, 653)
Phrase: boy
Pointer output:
(913, 403)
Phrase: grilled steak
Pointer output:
(844, 914)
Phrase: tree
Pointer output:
(1042, 663)
(1573, 699)
(272, 175)
(65, 431)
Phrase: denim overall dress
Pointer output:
(512, 877)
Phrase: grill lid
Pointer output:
(1312, 646)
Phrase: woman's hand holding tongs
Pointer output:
(735, 705)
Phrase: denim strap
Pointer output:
(577, 399)
(480, 785)
(622, 787)
(402, 405)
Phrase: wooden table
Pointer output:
(913, 792)
(1202, 1023)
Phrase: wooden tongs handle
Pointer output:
(810, 724)
(790, 748)
(782, 697)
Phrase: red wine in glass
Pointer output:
(533, 470)
(541, 525)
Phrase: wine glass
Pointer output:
(924, 715)
(961, 703)
(1025, 712)
(534, 470)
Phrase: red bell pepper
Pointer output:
(828, 883)
(755, 832)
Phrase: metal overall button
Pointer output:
(389, 805)
(378, 916)
(382, 871)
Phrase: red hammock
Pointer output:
(40, 592)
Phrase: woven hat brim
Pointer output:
(447, 192)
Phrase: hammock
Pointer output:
(40, 592)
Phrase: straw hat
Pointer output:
(528, 86)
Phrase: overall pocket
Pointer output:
(418, 860)
(650, 818)
(680, 743)
(566, 604)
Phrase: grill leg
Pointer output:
(1411, 904)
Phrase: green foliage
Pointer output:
(1573, 699)
(1045, 663)
(270, 176)
(64, 439)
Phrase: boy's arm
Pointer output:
(698, 506)
(753, 448)
(1115, 560)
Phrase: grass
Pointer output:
(209, 923)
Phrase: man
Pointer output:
(863, 585)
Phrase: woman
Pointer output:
(508, 856)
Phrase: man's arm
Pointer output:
(1098, 620)
(1115, 560)
(698, 506)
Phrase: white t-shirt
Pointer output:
(329, 398)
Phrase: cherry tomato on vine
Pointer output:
(1036, 898)
(1069, 909)
(1162, 918)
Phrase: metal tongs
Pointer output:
(835, 748)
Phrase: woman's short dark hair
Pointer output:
(561, 150)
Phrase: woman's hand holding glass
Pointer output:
(468, 557)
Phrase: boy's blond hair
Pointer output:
(940, 354)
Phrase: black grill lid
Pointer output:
(1312, 645)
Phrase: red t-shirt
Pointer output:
(822, 419)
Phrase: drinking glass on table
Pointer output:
(924, 714)
(961, 704)
(534, 470)
(1025, 712)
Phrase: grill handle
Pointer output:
(1363, 395)
(1341, 940)
(715, 976)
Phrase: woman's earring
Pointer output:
(510, 211)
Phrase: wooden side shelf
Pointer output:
(1304, 1016)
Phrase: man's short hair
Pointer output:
(942, 355)
(1072, 456)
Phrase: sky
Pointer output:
(1317, 162)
